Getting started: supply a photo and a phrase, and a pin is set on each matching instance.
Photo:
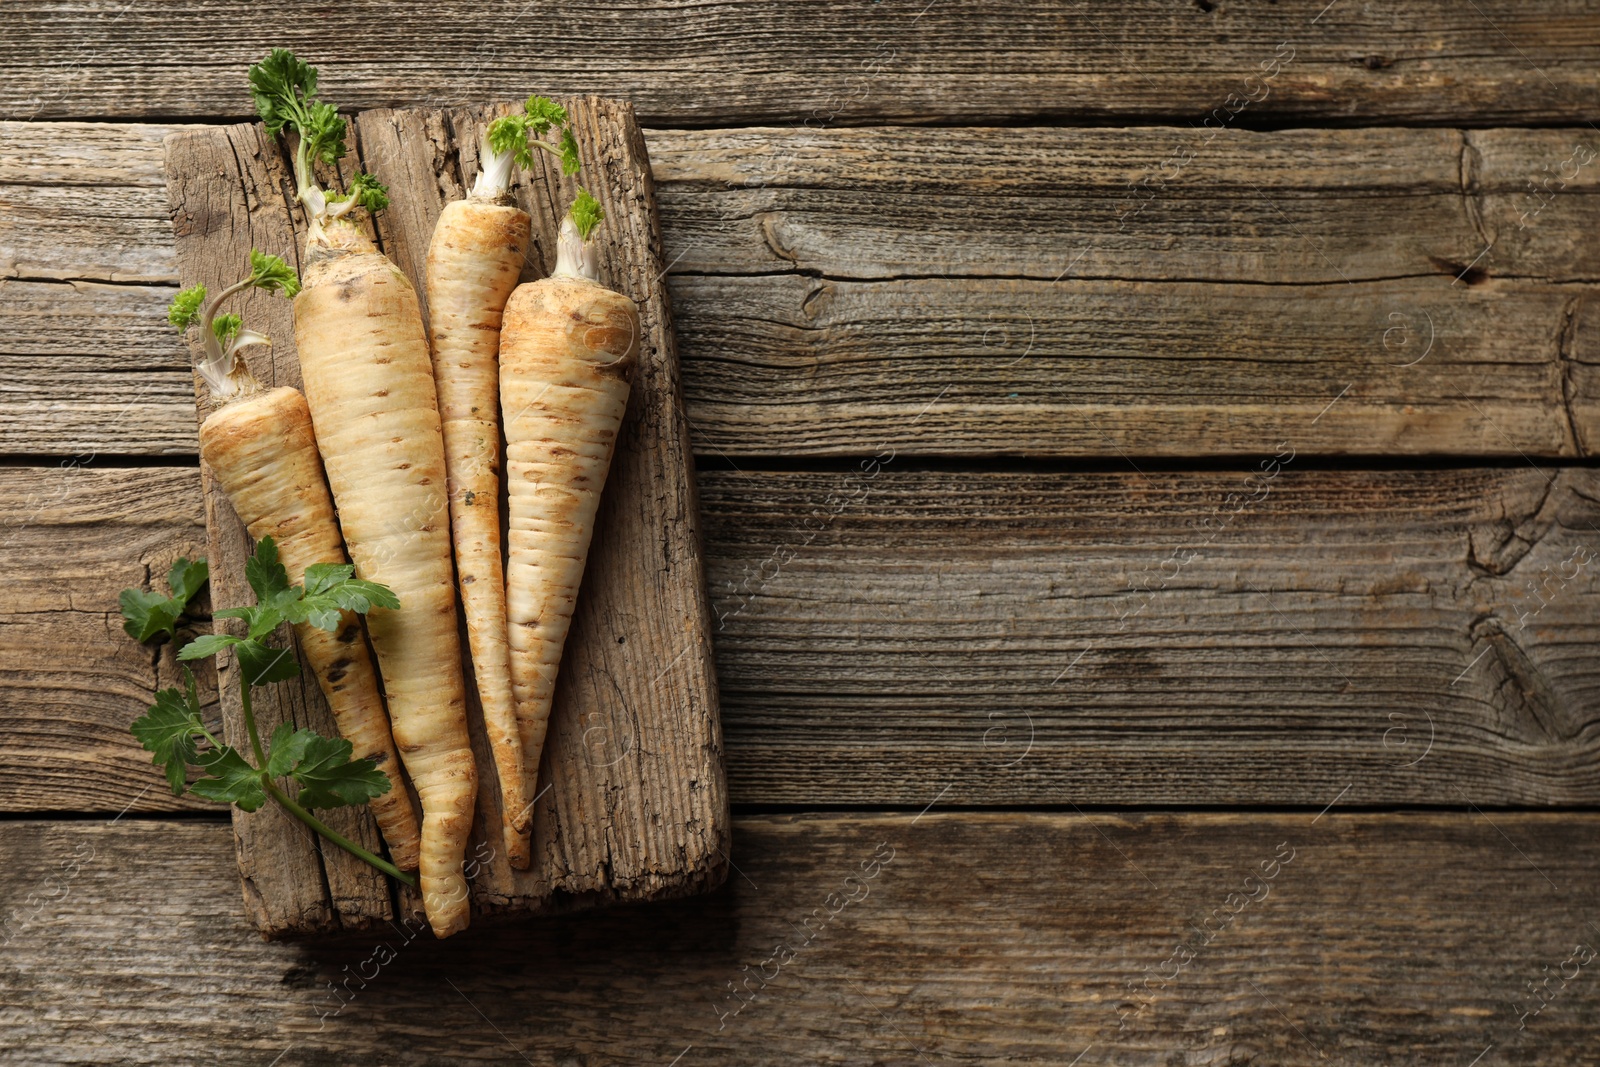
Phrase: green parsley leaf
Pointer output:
(169, 729)
(360, 596)
(263, 619)
(273, 274)
(286, 748)
(570, 163)
(518, 135)
(543, 113)
(232, 781)
(262, 664)
(226, 327)
(324, 133)
(330, 779)
(281, 84)
(508, 136)
(369, 193)
(586, 213)
(149, 613)
(187, 576)
(320, 577)
(285, 94)
(207, 645)
(264, 572)
(186, 306)
(331, 589)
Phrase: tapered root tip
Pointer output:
(448, 905)
(519, 853)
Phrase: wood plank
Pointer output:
(72, 538)
(92, 369)
(1170, 637)
(1011, 294)
(967, 939)
(84, 200)
(1024, 636)
(1160, 204)
(636, 805)
(824, 302)
(943, 367)
(898, 61)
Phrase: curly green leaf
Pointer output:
(186, 307)
(586, 213)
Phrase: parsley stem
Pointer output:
(250, 723)
(301, 813)
(333, 835)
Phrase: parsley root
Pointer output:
(369, 383)
(261, 450)
(474, 259)
(568, 346)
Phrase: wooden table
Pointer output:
(1147, 475)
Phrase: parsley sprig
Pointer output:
(285, 92)
(174, 730)
(511, 139)
(224, 335)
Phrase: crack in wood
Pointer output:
(1566, 341)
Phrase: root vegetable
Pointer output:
(260, 447)
(474, 259)
(369, 383)
(568, 346)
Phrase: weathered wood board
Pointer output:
(954, 940)
(634, 801)
(761, 62)
(1020, 637)
(1001, 292)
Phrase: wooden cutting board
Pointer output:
(633, 803)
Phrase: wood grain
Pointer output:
(1224, 637)
(92, 369)
(637, 806)
(72, 538)
(898, 61)
(970, 939)
(1021, 637)
(828, 306)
